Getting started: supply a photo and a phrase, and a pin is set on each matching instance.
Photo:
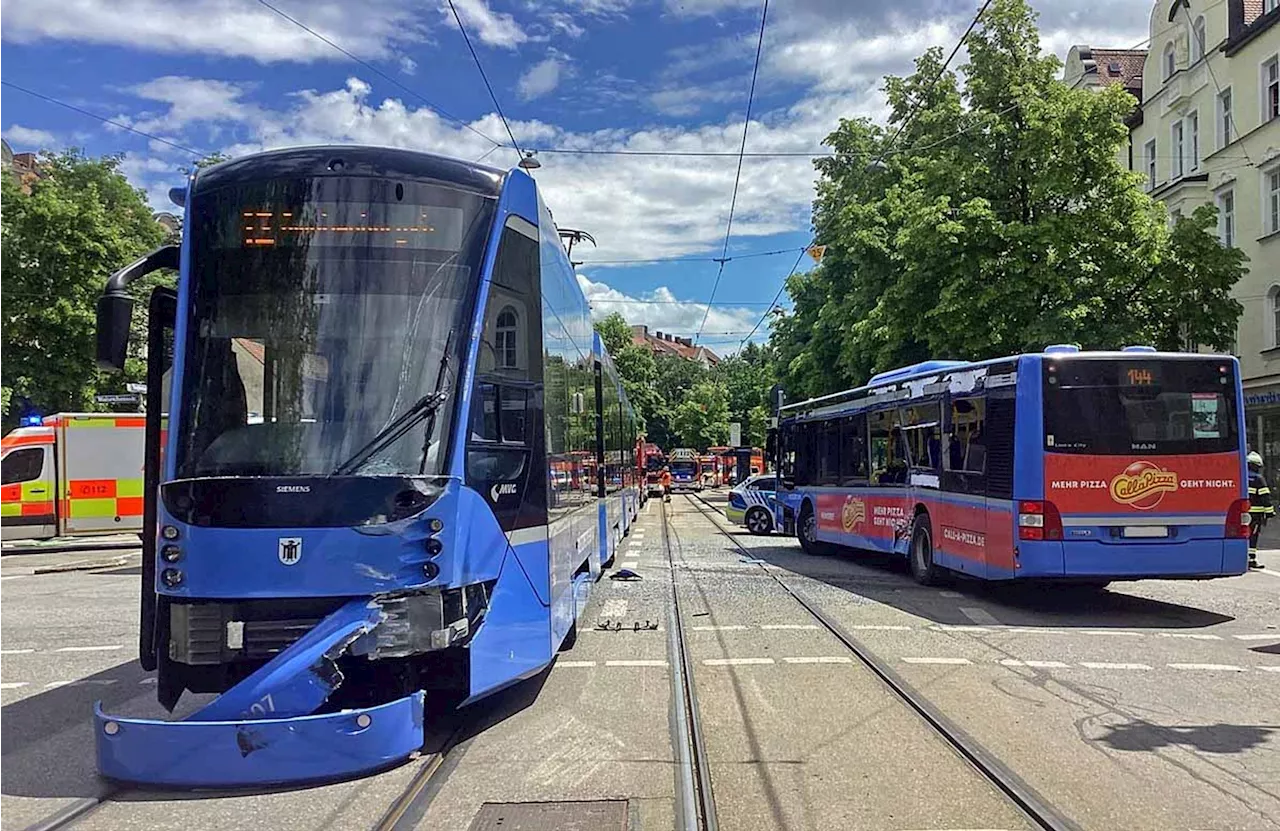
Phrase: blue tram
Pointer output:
(386, 457)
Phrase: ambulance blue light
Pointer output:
(32, 421)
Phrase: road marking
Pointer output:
(635, 663)
(1189, 635)
(942, 627)
(1115, 633)
(805, 626)
(617, 607)
(951, 594)
(821, 659)
(1014, 662)
(83, 682)
(978, 615)
(1107, 665)
(1270, 668)
(629, 564)
(13, 685)
(1209, 667)
(1026, 631)
(147, 681)
(1267, 573)
(575, 663)
(16, 651)
(729, 628)
(735, 662)
(110, 648)
(14, 576)
(1273, 636)
(937, 660)
(876, 627)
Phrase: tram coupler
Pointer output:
(265, 730)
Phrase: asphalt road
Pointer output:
(1150, 705)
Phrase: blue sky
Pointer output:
(235, 76)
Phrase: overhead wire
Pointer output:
(774, 301)
(737, 177)
(694, 259)
(492, 96)
(389, 79)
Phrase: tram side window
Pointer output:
(853, 450)
(888, 448)
(966, 444)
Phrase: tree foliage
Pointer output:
(80, 222)
(1000, 221)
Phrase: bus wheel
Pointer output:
(808, 532)
(758, 521)
(922, 566)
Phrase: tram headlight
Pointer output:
(170, 532)
(430, 570)
(171, 553)
(434, 547)
(171, 577)
(436, 525)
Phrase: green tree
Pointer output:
(747, 378)
(80, 222)
(701, 419)
(998, 222)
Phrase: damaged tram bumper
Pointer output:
(267, 729)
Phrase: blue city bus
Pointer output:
(1087, 467)
(380, 475)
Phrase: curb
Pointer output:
(62, 548)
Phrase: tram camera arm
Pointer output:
(115, 306)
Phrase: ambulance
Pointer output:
(77, 474)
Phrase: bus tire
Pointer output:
(920, 556)
(758, 521)
(807, 531)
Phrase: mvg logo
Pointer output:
(502, 489)
(290, 550)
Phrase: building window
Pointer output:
(505, 339)
(1197, 39)
(1227, 218)
(1271, 204)
(1271, 89)
(1273, 315)
(1170, 61)
(1149, 156)
(1269, 6)
(1179, 150)
(1225, 133)
(1193, 140)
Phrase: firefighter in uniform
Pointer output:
(1260, 507)
(666, 484)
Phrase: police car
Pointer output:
(751, 503)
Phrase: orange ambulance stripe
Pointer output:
(129, 506)
(37, 508)
(131, 422)
(11, 493)
(25, 441)
(92, 488)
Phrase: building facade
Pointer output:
(1208, 132)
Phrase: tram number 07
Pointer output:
(260, 708)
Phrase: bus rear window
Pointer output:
(1117, 407)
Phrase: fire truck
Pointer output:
(73, 474)
(710, 470)
(654, 461)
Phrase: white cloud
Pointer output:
(543, 77)
(230, 28)
(497, 29)
(564, 22)
(29, 138)
(191, 100)
(408, 65)
(662, 311)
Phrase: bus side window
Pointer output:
(853, 452)
(964, 456)
(888, 448)
(828, 452)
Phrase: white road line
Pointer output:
(1270, 668)
(730, 628)
(575, 663)
(735, 662)
(805, 626)
(1273, 636)
(1026, 631)
(937, 661)
(111, 648)
(878, 627)
(943, 627)
(147, 681)
(1209, 667)
(1014, 662)
(83, 682)
(617, 607)
(16, 651)
(14, 576)
(629, 564)
(1195, 636)
(1114, 633)
(978, 615)
(951, 594)
(820, 659)
(635, 663)
(1108, 665)
(13, 685)
(1267, 573)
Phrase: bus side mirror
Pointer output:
(115, 315)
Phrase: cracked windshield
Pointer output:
(640, 415)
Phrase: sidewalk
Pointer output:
(112, 542)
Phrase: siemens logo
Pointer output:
(293, 489)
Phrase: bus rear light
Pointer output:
(1238, 520)
(1038, 521)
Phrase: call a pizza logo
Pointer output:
(853, 513)
(1142, 485)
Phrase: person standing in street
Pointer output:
(1260, 505)
(666, 484)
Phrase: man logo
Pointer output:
(290, 550)
(500, 490)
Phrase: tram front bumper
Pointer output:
(265, 730)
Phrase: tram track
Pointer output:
(1036, 809)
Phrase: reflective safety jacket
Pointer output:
(666, 480)
(1260, 495)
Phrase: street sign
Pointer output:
(138, 388)
(735, 434)
(129, 398)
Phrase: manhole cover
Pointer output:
(605, 815)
